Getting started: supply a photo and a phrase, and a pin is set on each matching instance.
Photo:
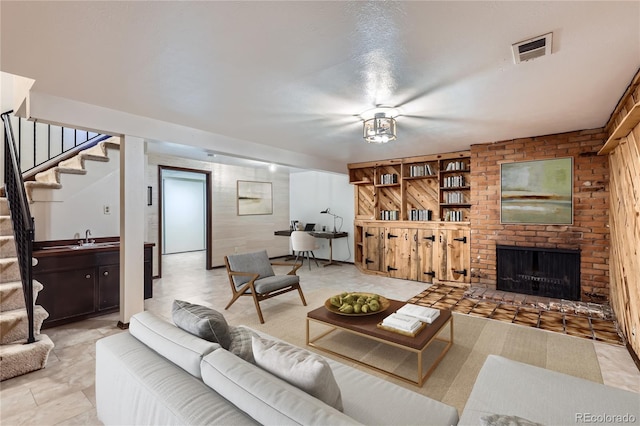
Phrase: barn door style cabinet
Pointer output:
(411, 218)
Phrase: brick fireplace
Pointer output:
(589, 232)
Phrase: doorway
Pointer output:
(184, 212)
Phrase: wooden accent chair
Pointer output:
(251, 274)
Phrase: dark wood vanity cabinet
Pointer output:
(84, 283)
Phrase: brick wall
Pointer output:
(590, 229)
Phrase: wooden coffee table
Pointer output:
(366, 326)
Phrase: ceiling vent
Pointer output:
(532, 48)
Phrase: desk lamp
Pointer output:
(328, 211)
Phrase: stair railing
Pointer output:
(39, 143)
(23, 226)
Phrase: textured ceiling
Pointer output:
(293, 75)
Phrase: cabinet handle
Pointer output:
(463, 272)
(105, 273)
(367, 235)
(432, 238)
(389, 268)
(87, 276)
(463, 239)
(367, 261)
(389, 235)
(432, 273)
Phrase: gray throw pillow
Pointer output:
(305, 370)
(201, 321)
(241, 343)
(506, 420)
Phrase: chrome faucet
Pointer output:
(87, 233)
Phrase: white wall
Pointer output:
(231, 233)
(66, 213)
(312, 192)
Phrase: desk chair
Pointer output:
(303, 242)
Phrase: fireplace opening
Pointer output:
(539, 271)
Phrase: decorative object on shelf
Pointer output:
(335, 216)
(379, 129)
(539, 192)
(254, 198)
(357, 304)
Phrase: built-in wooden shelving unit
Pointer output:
(626, 125)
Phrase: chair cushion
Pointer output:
(299, 367)
(201, 321)
(269, 284)
(254, 263)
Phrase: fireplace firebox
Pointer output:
(539, 271)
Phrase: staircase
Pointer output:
(22, 348)
(51, 178)
(16, 357)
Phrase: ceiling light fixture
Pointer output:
(380, 129)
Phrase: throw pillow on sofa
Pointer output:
(241, 345)
(299, 367)
(201, 321)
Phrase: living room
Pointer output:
(603, 226)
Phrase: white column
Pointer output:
(132, 223)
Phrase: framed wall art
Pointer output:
(537, 192)
(254, 198)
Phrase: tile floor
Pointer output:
(63, 393)
(588, 320)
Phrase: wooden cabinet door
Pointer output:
(401, 253)
(373, 242)
(108, 286)
(67, 294)
(426, 251)
(453, 260)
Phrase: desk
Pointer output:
(327, 235)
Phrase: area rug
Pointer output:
(474, 339)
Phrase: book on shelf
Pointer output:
(421, 313)
(402, 322)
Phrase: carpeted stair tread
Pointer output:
(13, 324)
(11, 296)
(53, 174)
(77, 161)
(6, 226)
(17, 358)
(4, 206)
(9, 270)
(7, 246)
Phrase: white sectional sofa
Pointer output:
(159, 374)
(510, 388)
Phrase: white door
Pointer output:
(183, 213)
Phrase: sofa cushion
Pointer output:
(241, 342)
(201, 321)
(299, 367)
(254, 263)
(137, 386)
(178, 346)
(264, 397)
(540, 395)
(372, 400)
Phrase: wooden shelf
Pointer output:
(455, 205)
(361, 182)
(420, 177)
(626, 125)
(386, 185)
(454, 188)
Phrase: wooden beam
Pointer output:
(624, 128)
